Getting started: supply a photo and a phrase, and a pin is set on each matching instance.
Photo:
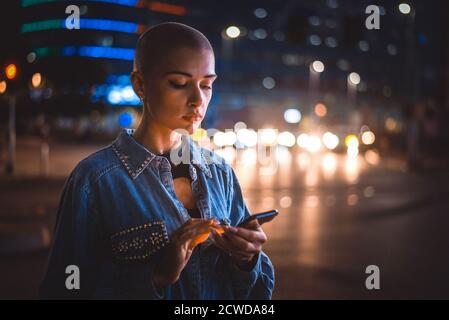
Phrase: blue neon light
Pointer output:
(109, 25)
(130, 3)
(88, 51)
(85, 23)
(68, 51)
(108, 53)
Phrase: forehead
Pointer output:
(196, 61)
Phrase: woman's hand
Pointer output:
(177, 253)
(242, 243)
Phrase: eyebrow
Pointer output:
(189, 75)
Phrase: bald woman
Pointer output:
(154, 215)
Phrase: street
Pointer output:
(337, 216)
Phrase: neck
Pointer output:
(155, 137)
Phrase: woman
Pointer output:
(131, 214)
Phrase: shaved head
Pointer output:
(159, 42)
(174, 69)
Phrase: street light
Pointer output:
(36, 80)
(232, 32)
(315, 68)
(11, 74)
(405, 8)
(353, 81)
(410, 75)
(354, 78)
(228, 35)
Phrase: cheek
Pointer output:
(167, 102)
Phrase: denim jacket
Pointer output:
(119, 209)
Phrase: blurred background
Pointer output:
(341, 128)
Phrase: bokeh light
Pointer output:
(36, 80)
(330, 140)
(247, 137)
(3, 87)
(286, 139)
(233, 32)
(354, 78)
(317, 66)
(405, 8)
(320, 110)
(268, 137)
(292, 116)
(11, 71)
(368, 137)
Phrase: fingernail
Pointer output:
(231, 229)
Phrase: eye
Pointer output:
(207, 85)
(177, 85)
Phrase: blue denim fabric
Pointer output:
(118, 210)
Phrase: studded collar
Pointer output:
(135, 157)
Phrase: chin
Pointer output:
(192, 127)
(189, 129)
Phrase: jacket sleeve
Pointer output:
(257, 283)
(76, 243)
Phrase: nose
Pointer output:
(196, 97)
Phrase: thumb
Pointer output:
(189, 254)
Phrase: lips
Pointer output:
(194, 117)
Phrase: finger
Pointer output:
(226, 245)
(189, 254)
(200, 234)
(220, 241)
(251, 235)
(253, 224)
(242, 244)
(186, 236)
(200, 230)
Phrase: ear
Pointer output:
(138, 84)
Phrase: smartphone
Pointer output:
(262, 217)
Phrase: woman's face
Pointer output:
(178, 91)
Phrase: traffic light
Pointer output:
(11, 78)
(11, 71)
